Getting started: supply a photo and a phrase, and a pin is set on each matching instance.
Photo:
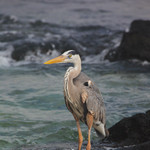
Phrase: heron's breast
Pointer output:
(74, 105)
(72, 96)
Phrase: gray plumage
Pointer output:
(94, 103)
(76, 82)
(82, 97)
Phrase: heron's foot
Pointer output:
(84, 96)
(88, 147)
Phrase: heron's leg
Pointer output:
(89, 119)
(80, 138)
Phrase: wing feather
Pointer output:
(94, 102)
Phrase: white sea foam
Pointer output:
(143, 63)
(5, 56)
(8, 32)
(117, 42)
(38, 58)
(4, 62)
(94, 59)
(14, 18)
(31, 57)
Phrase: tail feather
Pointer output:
(101, 130)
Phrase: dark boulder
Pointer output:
(132, 130)
(5, 19)
(135, 44)
(22, 47)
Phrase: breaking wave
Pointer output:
(23, 43)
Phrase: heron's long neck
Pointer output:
(71, 73)
(75, 71)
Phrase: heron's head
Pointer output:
(70, 56)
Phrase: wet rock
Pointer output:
(21, 48)
(135, 44)
(143, 146)
(132, 130)
(5, 19)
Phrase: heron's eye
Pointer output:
(70, 56)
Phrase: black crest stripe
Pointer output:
(73, 52)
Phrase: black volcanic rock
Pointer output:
(22, 47)
(135, 44)
(132, 130)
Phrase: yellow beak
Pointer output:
(56, 60)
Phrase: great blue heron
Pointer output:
(82, 97)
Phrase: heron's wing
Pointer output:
(91, 98)
(94, 100)
(95, 105)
